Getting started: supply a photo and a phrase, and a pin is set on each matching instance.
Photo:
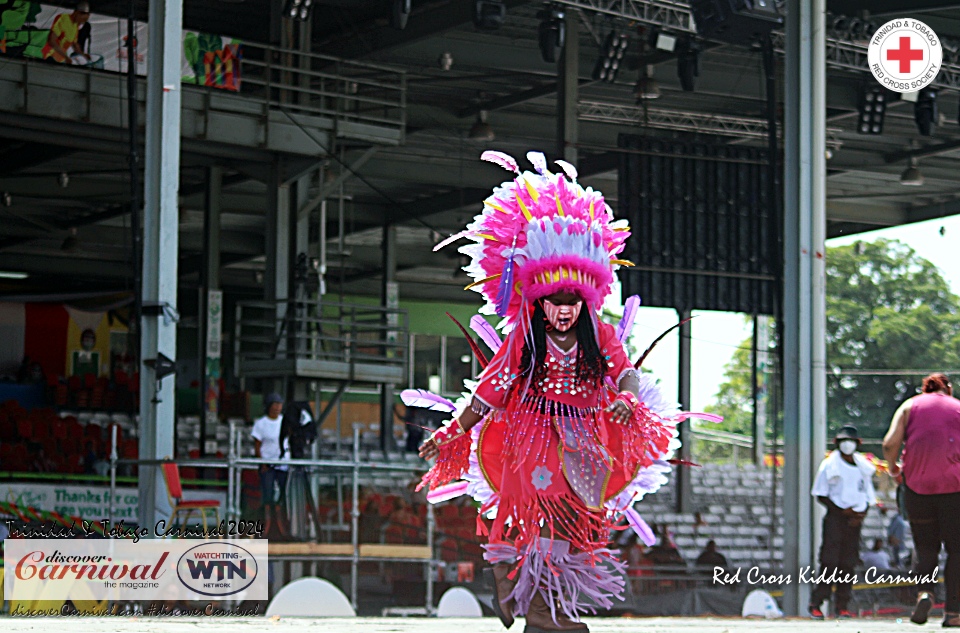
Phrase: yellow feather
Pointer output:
(481, 281)
(487, 237)
(494, 206)
(523, 207)
(591, 209)
(559, 206)
(626, 228)
(534, 195)
(622, 262)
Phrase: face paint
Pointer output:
(562, 317)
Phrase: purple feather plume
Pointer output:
(426, 400)
(640, 527)
(499, 158)
(629, 314)
(538, 161)
(505, 289)
(486, 332)
(568, 169)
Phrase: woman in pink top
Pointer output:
(927, 426)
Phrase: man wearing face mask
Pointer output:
(844, 485)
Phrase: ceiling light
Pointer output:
(63, 179)
(911, 176)
(647, 87)
(611, 56)
(445, 61)
(6, 198)
(481, 130)
(297, 9)
(872, 109)
(12, 274)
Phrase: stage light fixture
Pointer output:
(488, 14)
(872, 110)
(611, 57)
(911, 176)
(481, 130)
(400, 13)
(647, 87)
(665, 42)
(63, 179)
(552, 32)
(688, 63)
(925, 111)
(298, 9)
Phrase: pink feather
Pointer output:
(568, 169)
(451, 239)
(426, 400)
(629, 315)
(486, 332)
(447, 492)
(499, 158)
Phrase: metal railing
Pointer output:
(309, 83)
(310, 330)
(354, 468)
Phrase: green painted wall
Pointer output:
(428, 317)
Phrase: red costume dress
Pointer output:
(549, 468)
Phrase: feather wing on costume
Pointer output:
(486, 332)
(499, 158)
(426, 400)
(568, 169)
(629, 315)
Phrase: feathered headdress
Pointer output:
(539, 234)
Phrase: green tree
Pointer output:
(890, 315)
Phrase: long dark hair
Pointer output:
(590, 367)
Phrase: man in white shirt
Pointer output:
(273, 477)
(844, 485)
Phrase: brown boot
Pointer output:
(539, 619)
(502, 587)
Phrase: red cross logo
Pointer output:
(905, 55)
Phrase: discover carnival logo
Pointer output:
(217, 569)
(905, 55)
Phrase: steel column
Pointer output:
(804, 285)
(568, 93)
(389, 300)
(161, 218)
(684, 501)
(209, 280)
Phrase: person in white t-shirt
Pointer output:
(273, 477)
(844, 485)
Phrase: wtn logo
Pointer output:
(224, 569)
(217, 568)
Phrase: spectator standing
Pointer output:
(927, 427)
(896, 536)
(844, 485)
(273, 477)
(876, 557)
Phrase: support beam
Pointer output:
(346, 173)
(161, 184)
(568, 94)
(210, 297)
(804, 303)
(390, 300)
(684, 482)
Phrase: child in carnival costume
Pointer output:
(561, 434)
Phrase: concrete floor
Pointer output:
(434, 625)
